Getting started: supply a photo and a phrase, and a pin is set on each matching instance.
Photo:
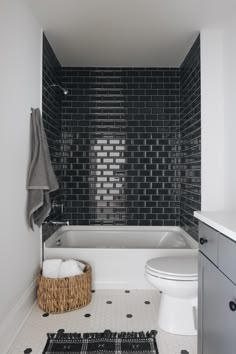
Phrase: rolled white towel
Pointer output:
(51, 268)
(69, 268)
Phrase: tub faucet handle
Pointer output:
(58, 205)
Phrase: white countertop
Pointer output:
(222, 221)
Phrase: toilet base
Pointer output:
(178, 315)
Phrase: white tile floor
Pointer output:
(103, 316)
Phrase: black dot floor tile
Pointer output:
(147, 302)
(93, 291)
(129, 315)
(127, 291)
(87, 315)
(153, 332)
(27, 351)
(109, 302)
(184, 352)
(46, 314)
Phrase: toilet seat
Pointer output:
(169, 277)
(173, 268)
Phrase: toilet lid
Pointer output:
(173, 267)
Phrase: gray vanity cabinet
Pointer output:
(217, 304)
(217, 322)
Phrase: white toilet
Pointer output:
(177, 279)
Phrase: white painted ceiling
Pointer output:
(127, 32)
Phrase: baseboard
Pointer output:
(16, 318)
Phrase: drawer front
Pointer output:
(208, 242)
(227, 258)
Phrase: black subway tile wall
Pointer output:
(190, 129)
(125, 142)
(51, 113)
(121, 147)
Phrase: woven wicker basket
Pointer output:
(66, 294)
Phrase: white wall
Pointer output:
(20, 73)
(218, 96)
(230, 115)
(212, 120)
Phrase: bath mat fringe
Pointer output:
(105, 342)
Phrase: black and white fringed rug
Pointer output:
(103, 343)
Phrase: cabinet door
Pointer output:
(217, 322)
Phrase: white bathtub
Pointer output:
(118, 254)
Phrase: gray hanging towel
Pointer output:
(41, 177)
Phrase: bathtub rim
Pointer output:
(56, 234)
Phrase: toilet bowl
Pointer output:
(177, 279)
